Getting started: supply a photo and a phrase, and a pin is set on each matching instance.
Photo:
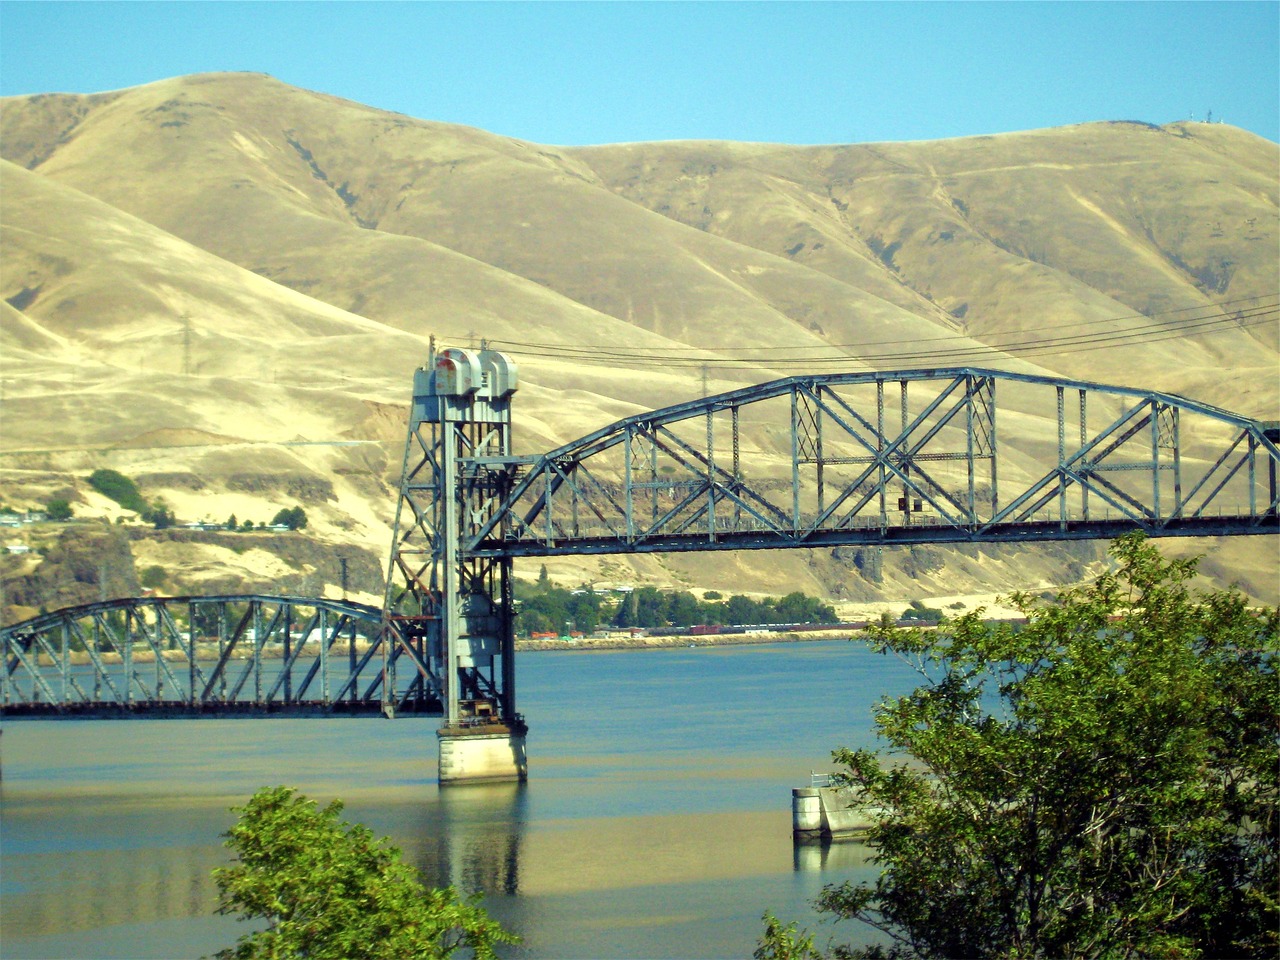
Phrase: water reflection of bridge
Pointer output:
(923, 456)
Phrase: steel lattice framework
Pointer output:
(884, 458)
(243, 655)
(946, 455)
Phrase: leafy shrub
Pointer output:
(331, 890)
(1098, 780)
(159, 515)
(919, 613)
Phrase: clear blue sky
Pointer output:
(578, 73)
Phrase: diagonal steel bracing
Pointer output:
(918, 456)
(908, 456)
(241, 655)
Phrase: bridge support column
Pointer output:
(450, 615)
(482, 754)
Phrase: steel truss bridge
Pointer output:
(224, 656)
(959, 455)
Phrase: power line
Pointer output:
(1078, 342)
(611, 350)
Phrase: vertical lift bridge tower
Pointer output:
(448, 616)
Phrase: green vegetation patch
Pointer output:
(547, 609)
(118, 487)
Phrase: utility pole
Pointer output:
(342, 562)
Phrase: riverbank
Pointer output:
(587, 644)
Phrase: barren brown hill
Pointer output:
(222, 277)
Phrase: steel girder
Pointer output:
(241, 655)
(890, 457)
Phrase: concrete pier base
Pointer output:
(824, 813)
(489, 753)
(806, 813)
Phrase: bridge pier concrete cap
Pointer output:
(493, 753)
(806, 812)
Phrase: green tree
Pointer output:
(922, 614)
(113, 484)
(1099, 781)
(159, 516)
(583, 608)
(650, 607)
(330, 890)
(543, 612)
(58, 509)
(783, 943)
(295, 518)
(683, 609)
(742, 609)
(798, 608)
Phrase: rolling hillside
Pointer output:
(220, 285)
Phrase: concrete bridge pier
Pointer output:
(483, 753)
(822, 812)
(806, 813)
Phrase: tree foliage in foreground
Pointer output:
(1099, 782)
(330, 890)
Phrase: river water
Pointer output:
(656, 821)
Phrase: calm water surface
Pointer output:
(656, 821)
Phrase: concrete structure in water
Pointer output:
(483, 754)
(823, 812)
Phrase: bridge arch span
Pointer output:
(887, 457)
(216, 656)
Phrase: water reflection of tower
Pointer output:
(473, 837)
